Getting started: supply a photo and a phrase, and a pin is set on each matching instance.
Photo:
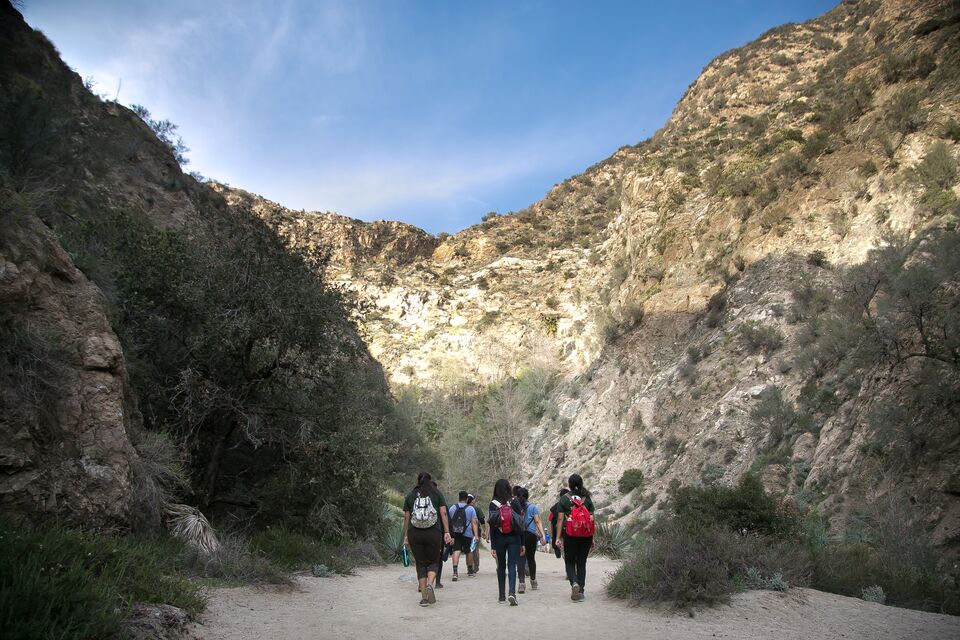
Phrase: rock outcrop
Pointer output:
(66, 408)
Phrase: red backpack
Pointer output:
(580, 523)
(506, 518)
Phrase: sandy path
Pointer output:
(379, 603)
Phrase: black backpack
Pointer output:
(458, 523)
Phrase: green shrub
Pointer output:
(488, 319)
(903, 112)
(759, 337)
(938, 169)
(60, 583)
(826, 43)
(712, 473)
(939, 202)
(817, 258)
(951, 130)
(773, 415)
(702, 565)
(745, 508)
(629, 480)
(912, 66)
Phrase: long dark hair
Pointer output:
(502, 492)
(576, 486)
(523, 496)
(425, 483)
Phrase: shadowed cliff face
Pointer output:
(67, 411)
(785, 163)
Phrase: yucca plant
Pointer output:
(392, 540)
(188, 524)
(611, 540)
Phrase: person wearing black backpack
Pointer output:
(576, 526)
(506, 530)
(425, 529)
(463, 526)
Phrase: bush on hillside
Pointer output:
(938, 169)
(745, 508)
(630, 479)
(759, 337)
(903, 112)
(717, 540)
(702, 565)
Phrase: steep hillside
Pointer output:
(171, 321)
(667, 281)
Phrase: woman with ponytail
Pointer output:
(506, 538)
(425, 530)
(575, 533)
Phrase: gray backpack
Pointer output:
(424, 514)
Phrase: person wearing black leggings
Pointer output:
(532, 536)
(425, 530)
(507, 547)
(575, 548)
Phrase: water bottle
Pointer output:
(546, 535)
(406, 557)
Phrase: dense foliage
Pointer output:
(716, 540)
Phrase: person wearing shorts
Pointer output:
(463, 542)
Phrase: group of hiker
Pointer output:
(434, 531)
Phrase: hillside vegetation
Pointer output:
(157, 348)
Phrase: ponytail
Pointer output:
(576, 486)
(425, 484)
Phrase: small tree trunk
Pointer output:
(212, 471)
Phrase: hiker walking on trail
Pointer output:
(463, 526)
(554, 538)
(425, 529)
(532, 536)
(445, 550)
(481, 530)
(575, 523)
(505, 538)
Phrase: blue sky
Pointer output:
(430, 112)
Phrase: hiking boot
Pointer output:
(533, 585)
(424, 602)
(431, 596)
(575, 593)
(512, 599)
(522, 588)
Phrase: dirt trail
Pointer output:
(382, 603)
